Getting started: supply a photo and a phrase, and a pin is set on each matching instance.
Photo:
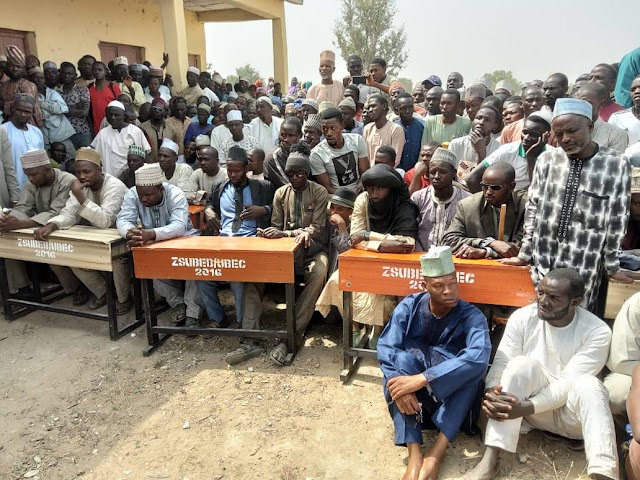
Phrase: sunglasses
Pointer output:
(495, 188)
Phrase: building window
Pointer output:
(194, 60)
(109, 51)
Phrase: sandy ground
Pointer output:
(75, 405)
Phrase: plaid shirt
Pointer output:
(597, 221)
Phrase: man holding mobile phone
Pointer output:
(358, 78)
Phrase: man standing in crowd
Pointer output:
(448, 125)
(78, 100)
(126, 84)
(381, 131)
(266, 128)
(18, 84)
(604, 134)
(328, 90)
(578, 204)
(532, 101)
(192, 92)
(413, 130)
(605, 75)
(156, 128)
(555, 87)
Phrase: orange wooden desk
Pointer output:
(480, 281)
(228, 259)
(196, 212)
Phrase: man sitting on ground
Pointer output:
(42, 198)
(203, 179)
(300, 212)
(437, 202)
(237, 208)
(95, 200)
(544, 373)
(433, 353)
(473, 232)
(153, 211)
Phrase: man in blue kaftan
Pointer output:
(433, 353)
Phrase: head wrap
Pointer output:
(193, 70)
(312, 103)
(265, 100)
(160, 101)
(204, 106)
(149, 175)
(233, 95)
(120, 61)
(573, 106)
(396, 214)
(203, 141)
(217, 79)
(155, 71)
(258, 82)
(144, 68)
(290, 108)
(49, 65)
(234, 116)
(15, 55)
(434, 80)
(475, 91)
(328, 55)
(116, 104)
(298, 162)
(136, 67)
(437, 262)
(171, 145)
(544, 115)
(344, 196)
(137, 151)
(446, 156)
(89, 155)
(348, 103)
(396, 84)
(34, 159)
(324, 105)
(506, 85)
(314, 120)
(35, 69)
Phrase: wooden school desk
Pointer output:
(480, 281)
(225, 259)
(196, 213)
(79, 246)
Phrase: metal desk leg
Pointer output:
(4, 291)
(35, 280)
(138, 299)
(154, 339)
(350, 365)
(290, 298)
(111, 308)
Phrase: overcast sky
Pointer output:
(530, 39)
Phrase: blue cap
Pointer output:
(434, 80)
(572, 106)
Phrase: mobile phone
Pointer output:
(359, 80)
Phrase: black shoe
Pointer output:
(25, 293)
(80, 296)
(191, 322)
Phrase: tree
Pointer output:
(245, 71)
(498, 75)
(408, 84)
(365, 28)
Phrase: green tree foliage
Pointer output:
(365, 28)
(244, 71)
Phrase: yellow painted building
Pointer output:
(139, 29)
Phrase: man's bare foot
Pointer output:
(487, 469)
(430, 468)
(414, 464)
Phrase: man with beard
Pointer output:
(17, 83)
(544, 373)
(341, 158)
(328, 90)
(578, 205)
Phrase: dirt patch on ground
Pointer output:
(75, 405)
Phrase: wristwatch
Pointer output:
(367, 234)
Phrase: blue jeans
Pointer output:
(209, 295)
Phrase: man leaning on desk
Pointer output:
(41, 199)
(95, 200)
(154, 210)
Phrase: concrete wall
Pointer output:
(75, 27)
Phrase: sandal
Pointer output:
(279, 354)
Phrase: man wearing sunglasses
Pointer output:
(473, 232)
